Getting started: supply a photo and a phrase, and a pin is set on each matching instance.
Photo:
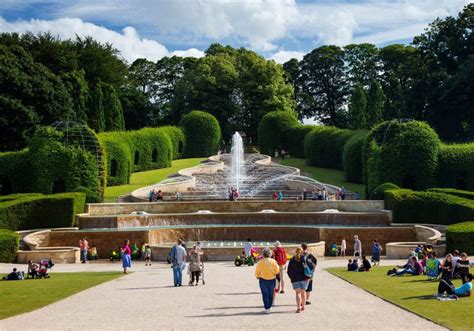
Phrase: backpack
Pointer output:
(308, 267)
(280, 256)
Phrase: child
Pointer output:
(351, 266)
(147, 255)
(93, 253)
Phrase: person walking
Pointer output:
(298, 279)
(195, 265)
(280, 256)
(357, 246)
(343, 246)
(266, 271)
(84, 249)
(376, 251)
(178, 258)
(126, 256)
(311, 262)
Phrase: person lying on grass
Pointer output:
(414, 268)
(464, 290)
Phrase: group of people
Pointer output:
(233, 193)
(178, 258)
(270, 273)
(277, 195)
(87, 252)
(154, 196)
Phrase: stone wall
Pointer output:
(56, 254)
(401, 250)
(234, 206)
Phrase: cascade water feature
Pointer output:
(237, 163)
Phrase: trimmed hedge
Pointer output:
(459, 193)
(461, 237)
(9, 242)
(203, 134)
(404, 153)
(15, 172)
(119, 158)
(379, 192)
(273, 131)
(296, 136)
(178, 140)
(323, 146)
(151, 149)
(428, 207)
(352, 157)
(41, 211)
(456, 166)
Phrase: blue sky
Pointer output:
(277, 29)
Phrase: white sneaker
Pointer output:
(267, 311)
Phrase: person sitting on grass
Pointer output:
(465, 290)
(365, 266)
(414, 269)
(432, 266)
(32, 269)
(447, 267)
(462, 268)
(351, 266)
(14, 275)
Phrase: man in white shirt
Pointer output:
(178, 258)
(357, 246)
(248, 247)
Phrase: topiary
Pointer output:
(9, 242)
(178, 139)
(461, 237)
(203, 134)
(379, 192)
(118, 156)
(352, 157)
(273, 131)
(456, 166)
(296, 135)
(404, 153)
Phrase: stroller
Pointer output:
(45, 264)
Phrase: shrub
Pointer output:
(428, 207)
(379, 192)
(41, 211)
(296, 135)
(456, 166)
(273, 131)
(459, 193)
(203, 134)
(178, 139)
(118, 156)
(9, 242)
(352, 157)
(404, 153)
(15, 172)
(461, 237)
(323, 146)
(155, 147)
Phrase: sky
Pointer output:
(276, 29)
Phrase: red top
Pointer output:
(126, 250)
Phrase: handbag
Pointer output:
(308, 271)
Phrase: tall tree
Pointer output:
(143, 74)
(113, 112)
(362, 63)
(78, 90)
(138, 111)
(95, 109)
(323, 85)
(375, 104)
(358, 108)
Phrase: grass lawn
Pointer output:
(18, 297)
(146, 178)
(328, 176)
(413, 293)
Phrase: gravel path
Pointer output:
(229, 300)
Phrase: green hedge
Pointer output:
(15, 172)
(461, 237)
(352, 157)
(203, 134)
(119, 158)
(41, 211)
(296, 136)
(323, 146)
(404, 153)
(456, 166)
(151, 149)
(379, 192)
(428, 207)
(459, 193)
(273, 131)
(9, 242)
(178, 140)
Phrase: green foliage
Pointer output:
(379, 192)
(456, 166)
(113, 112)
(78, 90)
(428, 207)
(119, 157)
(358, 108)
(41, 211)
(459, 193)
(154, 146)
(203, 134)
(15, 172)
(95, 109)
(178, 139)
(296, 136)
(460, 236)
(324, 145)
(352, 157)
(375, 102)
(403, 153)
(273, 131)
(9, 242)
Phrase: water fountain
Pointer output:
(237, 162)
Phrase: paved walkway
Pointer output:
(229, 300)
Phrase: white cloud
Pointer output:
(129, 42)
(283, 56)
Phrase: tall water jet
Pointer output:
(237, 163)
